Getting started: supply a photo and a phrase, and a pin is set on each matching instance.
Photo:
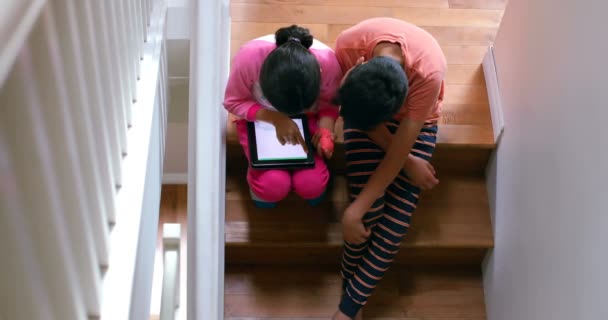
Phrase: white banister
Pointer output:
(93, 192)
(35, 208)
(96, 122)
(83, 89)
(127, 251)
(206, 159)
(55, 83)
(120, 57)
(109, 82)
(146, 22)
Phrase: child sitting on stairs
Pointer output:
(390, 101)
(272, 78)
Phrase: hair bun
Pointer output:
(294, 34)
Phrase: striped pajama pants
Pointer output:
(364, 265)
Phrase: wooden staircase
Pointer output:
(450, 226)
(450, 235)
(284, 262)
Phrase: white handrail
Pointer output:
(206, 159)
(82, 128)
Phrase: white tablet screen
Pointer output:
(269, 147)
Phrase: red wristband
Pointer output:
(326, 141)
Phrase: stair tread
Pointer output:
(453, 215)
(313, 292)
(450, 135)
(461, 148)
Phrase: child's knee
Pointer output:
(270, 185)
(310, 184)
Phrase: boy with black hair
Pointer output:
(390, 100)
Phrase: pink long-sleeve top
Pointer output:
(244, 97)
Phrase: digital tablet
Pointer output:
(266, 152)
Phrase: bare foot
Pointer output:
(341, 316)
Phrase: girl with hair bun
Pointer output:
(271, 79)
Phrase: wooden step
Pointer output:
(307, 292)
(451, 226)
(460, 149)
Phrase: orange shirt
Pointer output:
(424, 65)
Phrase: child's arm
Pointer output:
(416, 168)
(394, 160)
(331, 75)
(381, 137)
(238, 97)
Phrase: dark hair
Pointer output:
(291, 77)
(372, 93)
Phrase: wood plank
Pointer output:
(425, 233)
(324, 14)
(474, 36)
(466, 136)
(465, 94)
(478, 4)
(471, 161)
(465, 74)
(306, 14)
(297, 292)
(472, 231)
(465, 114)
(362, 3)
(464, 54)
(241, 281)
(245, 31)
(269, 255)
(455, 215)
(456, 190)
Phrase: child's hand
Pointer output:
(323, 140)
(288, 131)
(353, 229)
(421, 173)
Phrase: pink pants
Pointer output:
(273, 185)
